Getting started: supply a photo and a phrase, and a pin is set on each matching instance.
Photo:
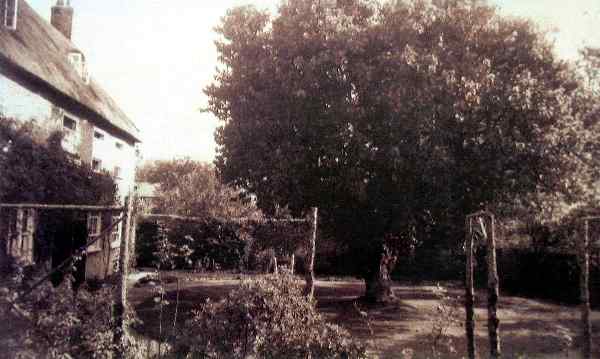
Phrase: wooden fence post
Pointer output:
(493, 292)
(310, 268)
(584, 265)
(120, 302)
(18, 247)
(469, 296)
(292, 263)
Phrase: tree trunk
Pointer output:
(378, 285)
(120, 300)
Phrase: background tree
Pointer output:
(397, 120)
(191, 188)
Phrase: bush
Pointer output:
(540, 274)
(266, 318)
(53, 322)
(209, 244)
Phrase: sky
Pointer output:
(155, 57)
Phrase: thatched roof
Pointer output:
(36, 56)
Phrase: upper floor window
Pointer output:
(98, 135)
(117, 172)
(76, 59)
(8, 13)
(119, 145)
(69, 123)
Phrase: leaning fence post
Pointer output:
(120, 302)
(584, 265)
(310, 268)
(493, 292)
(470, 313)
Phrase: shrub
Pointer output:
(540, 274)
(193, 243)
(54, 322)
(266, 318)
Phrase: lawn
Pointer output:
(535, 328)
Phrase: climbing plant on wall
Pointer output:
(35, 169)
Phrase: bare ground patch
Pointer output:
(530, 327)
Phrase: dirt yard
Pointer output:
(528, 327)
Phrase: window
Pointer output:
(96, 164)
(69, 123)
(98, 135)
(119, 145)
(8, 13)
(76, 59)
(94, 227)
(115, 236)
(117, 172)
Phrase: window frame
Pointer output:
(99, 135)
(68, 119)
(6, 16)
(115, 235)
(94, 219)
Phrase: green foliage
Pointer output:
(400, 118)
(186, 245)
(35, 172)
(442, 344)
(266, 318)
(546, 274)
(213, 244)
(191, 188)
(54, 322)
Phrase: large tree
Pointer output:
(395, 120)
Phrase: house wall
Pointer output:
(19, 103)
(116, 153)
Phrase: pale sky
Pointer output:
(155, 56)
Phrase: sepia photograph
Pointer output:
(265, 179)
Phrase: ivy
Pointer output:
(35, 169)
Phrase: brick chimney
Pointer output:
(62, 17)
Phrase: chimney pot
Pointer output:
(62, 17)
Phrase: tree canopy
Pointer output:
(398, 116)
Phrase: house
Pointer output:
(44, 77)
